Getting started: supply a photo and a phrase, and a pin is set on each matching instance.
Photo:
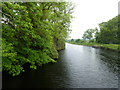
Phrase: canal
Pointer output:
(77, 67)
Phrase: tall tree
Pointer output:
(32, 33)
(109, 31)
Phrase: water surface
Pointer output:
(78, 67)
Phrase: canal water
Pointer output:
(77, 67)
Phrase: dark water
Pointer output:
(77, 67)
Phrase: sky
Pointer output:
(88, 14)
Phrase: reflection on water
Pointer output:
(78, 67)
(111, 59)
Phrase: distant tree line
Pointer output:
(109, 33)
(33, 32)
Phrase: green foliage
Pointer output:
(108, 37)
(109, 32)
(115, 47)
(9, 56)
(78, 40)
(88, 34)
(32, 33)
(0, 54)
(111, 46)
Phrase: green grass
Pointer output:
(111, 46)
(107, 46)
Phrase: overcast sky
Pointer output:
(89, 13)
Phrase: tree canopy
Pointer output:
(89, 34)
(109, 31)
(33, 32)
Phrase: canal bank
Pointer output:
(112, 47)
(107, 48)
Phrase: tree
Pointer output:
(88, 34)
(109, 32)
(78, 40)
(32, 33)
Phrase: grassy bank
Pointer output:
(97, 45)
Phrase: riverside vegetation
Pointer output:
(108, 37)
(33, 32)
